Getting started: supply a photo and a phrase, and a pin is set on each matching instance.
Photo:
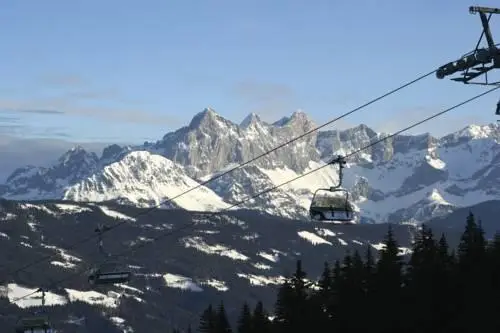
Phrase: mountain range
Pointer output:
(407, 178)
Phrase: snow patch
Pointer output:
(181, 282)
(402, 250)
(274, 257)
(114, 214)
(71, 209)
(18, 295)
(259, 265)
(259, 280)
(217, 284)
(92, 297)
(312, 238)
(199, 244)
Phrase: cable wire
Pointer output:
(149, 210)
(189, 225)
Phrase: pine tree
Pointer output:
(420, 289)
(444, 285)
(371, 300)
(333, 305)
(321, 298)
(470, 271)
(325, 281)
(471, 249)
(245, 320)
(282, 309)
(351, 294)
(291, 309)
(260, 321)
(208, 320)
(388, 279)
(221, 323)
(298, 282)
(494, 282)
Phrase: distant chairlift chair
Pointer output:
(107, 272)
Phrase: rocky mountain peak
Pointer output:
(78, 154)
(251, 119)
(299, 121)
(207, 118)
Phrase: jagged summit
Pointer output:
(207, 117)
(252, 118)
(76, 153)
(296, 116)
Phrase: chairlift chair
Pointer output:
(330, 208)
(38, 324)
(338, 210)
(109, 273)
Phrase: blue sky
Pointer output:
(129, 71)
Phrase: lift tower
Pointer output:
(480, 61)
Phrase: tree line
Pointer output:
(435, 290)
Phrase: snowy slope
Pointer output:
(144, 179)
(409, 178)
(232, 257)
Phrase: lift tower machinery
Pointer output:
(480, 61)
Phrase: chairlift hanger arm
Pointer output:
(479, 9)
(340, 160)
(474, 64)
(484, 20)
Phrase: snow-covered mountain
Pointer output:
(408, 178)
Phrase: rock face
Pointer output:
(408, 178)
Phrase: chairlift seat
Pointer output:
(109, 273)
(38, 324)
(334, 209)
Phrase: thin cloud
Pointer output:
(261, 91)
(9, 119)
(39, 111)
(63, 80)
(91, 95)
(60, 106)
(269, 100)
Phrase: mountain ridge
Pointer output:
(421, 174)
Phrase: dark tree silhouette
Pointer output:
(434, 291)
(245, 320)
(208, 320)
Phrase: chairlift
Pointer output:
(108, 272)
(35, 324)
(325, 207)
(333, 204)
(39, 324)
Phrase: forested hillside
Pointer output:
(436, 290)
